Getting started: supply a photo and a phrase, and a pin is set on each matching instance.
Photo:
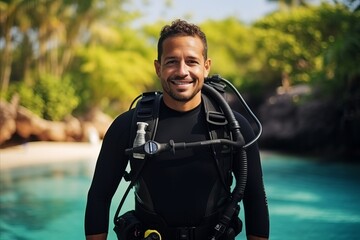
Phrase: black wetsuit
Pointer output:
(183, 188)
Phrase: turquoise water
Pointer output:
(307, 200)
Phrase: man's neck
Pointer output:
(182, 106)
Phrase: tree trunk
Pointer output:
(6, 59)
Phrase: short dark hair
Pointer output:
(181, 28)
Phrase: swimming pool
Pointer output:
(307, 200)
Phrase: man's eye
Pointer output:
(193, 62)
(170, 62)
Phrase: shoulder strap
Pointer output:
(218, 129)
(146, 110)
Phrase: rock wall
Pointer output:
(293, 123)
(17, 120)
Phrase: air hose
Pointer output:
(241, 176)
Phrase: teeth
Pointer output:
(180, 83)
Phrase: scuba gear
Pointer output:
(234, 100)
(128, 227)
(146, 108)
(152, 235)
(140, 139)
(188, 232)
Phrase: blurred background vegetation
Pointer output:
(67, 57)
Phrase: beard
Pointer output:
(179, 96)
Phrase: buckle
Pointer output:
(216, 118)
(185, 233)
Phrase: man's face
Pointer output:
(182, 70)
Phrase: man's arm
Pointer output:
(255, 202)
(101, 236)
(110, 167)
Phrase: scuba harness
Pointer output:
(220, 98)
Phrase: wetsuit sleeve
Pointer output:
(255, 202)
(110, 166)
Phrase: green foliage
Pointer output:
(49, 97)
(253, 58)
(316, 33)
(28, 98)
(231, 49)
(229, 45)
(113, 62)
(58, 95)
(297, 46)
(113, 73)
(341, 63)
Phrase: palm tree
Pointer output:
(44, 34)
(11, 15)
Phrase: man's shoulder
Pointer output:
(241, 118)
(124, 118)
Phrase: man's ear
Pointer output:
(157, 67)
(207, 67)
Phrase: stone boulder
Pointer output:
(17, 120)
(289, 124)
(7, 120)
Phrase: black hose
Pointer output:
(248, 110)
(233, 123)
(241, 176)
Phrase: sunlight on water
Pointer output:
(308, 213)
(307, 200)
(311, 199)
(296, 196)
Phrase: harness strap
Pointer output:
(147, 110)
(217, 127)
(153, 221)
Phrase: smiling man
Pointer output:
(181, 195)
(182, 66)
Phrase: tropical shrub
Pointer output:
(49, 97)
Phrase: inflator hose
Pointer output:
(241, 176)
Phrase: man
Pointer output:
(182, 189)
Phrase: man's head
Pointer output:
(182, 64)
(181, 28)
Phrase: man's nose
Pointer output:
(183, 68)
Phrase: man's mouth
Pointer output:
(181, 82)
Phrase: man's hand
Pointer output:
(101, 236)
(250, 237)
